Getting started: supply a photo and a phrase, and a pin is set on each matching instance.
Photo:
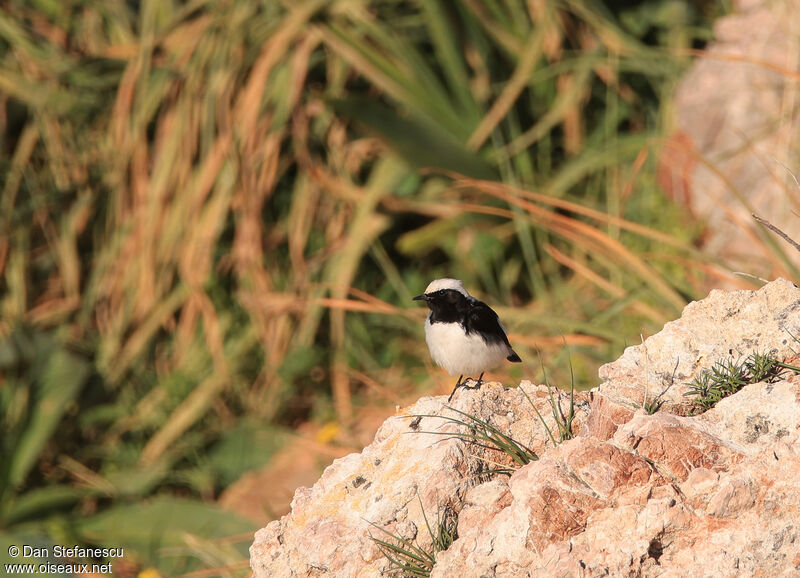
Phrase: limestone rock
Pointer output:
(633, 494)
(665, 496)
(409, 466)
(724, 325)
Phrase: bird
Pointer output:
(464, 335)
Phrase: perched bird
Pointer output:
(464, 335)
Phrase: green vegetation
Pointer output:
(563, 422)
(486, 436)
(407, 557)
(214, 214)
(726, 377)
(653, 405)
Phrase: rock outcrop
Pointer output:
(667, 494)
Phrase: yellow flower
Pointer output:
(327, 433)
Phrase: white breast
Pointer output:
(461, 354)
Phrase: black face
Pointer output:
(446, 305)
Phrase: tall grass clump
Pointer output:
(407, 557)
(213, 216)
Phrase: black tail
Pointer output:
(514, 357)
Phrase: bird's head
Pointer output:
(443, 290)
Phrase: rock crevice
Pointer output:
(667, 494)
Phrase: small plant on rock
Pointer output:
(487, 436)
(653, 405)
(563, 422)
(407, 557)
(727, 377)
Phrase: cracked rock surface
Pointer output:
(632, 494)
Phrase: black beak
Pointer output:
(422, 297)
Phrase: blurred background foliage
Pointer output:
(214, 214)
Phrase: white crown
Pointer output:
(439, 284)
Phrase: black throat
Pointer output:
(448, 306)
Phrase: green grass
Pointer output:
(486, 436)
(726, 377)
(562, 421)
(652, 406)
(407, 558)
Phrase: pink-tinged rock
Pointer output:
(329, 527)
(723, 326)
(775, 419)
(677, 444)
(605, 468)
(732, 497)
(700, 481)
(606, 416)
(715, 494)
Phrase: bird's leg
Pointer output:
(480, 379)
(458, 384)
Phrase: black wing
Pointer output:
(483, 320)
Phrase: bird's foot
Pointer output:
(469, 383)
(476, 384)
(458, 384)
